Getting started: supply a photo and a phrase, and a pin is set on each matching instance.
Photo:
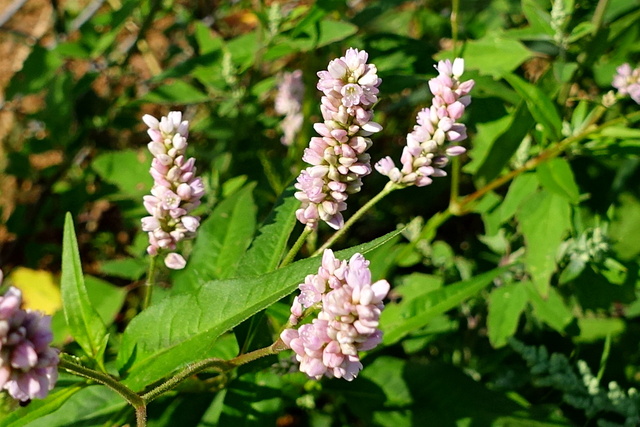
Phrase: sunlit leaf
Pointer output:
(40, 408)
(182, 328)
(417, 312)
(505, 306)
(127, 169)
(540, 105)
(556, 176)
(85, 324)
(494, 55)
(544, 220)
(222, 240)
(267, 248)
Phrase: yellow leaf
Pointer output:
(39, 289)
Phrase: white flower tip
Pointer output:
(458, 67)
(175, 261)
(372, 127)
(151, 121)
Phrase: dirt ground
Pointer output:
(27, 26)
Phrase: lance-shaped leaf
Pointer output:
(183, 328)
(84, 322)
(505, 145)
(418, 312)
(540, 105)
(267, 248)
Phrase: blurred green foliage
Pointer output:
(549, 256)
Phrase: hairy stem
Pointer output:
(129, 395)
(462, 207)
(356, 216)
(219, 365)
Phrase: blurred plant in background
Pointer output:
(531, 235)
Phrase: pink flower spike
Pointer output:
(176, 190)
(28, 365)
(350, 86)
(435, 137)
(347, 322)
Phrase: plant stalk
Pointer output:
(462, 207)
(129, 395)
(356, 216)
(149, 283)
(296, 246)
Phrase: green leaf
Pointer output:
(523, 187)
(106, 298)
(333, 31)
(180, 329)
(538, 17)
(551, 310)
(38, 70)
(544, 221)
(40, 408)
(393, 392)
(243, 50)
(486, 136)
(417, 312)
(84, 322)
(127, 169)
(557, 177)
(494, 55)
(505, 306)
(176, 92)
(625, 227)
(126, 268)
(540, 105)
(267, 248)
(579, 31)
(91, 406)
(222, 240)
(505, 145)
(594, 329)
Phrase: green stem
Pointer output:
(148, 284)
(129, 395)
(296, 246)
(598, 15)
(455, 8)
(455, 180)
(462, 207)
(356, 216)
(219, 365)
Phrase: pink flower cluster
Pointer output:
(350, 307)
(627, 81)
(176, 190)
(289, 104)
(338, 156)
(28, 366)
(433, 140)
